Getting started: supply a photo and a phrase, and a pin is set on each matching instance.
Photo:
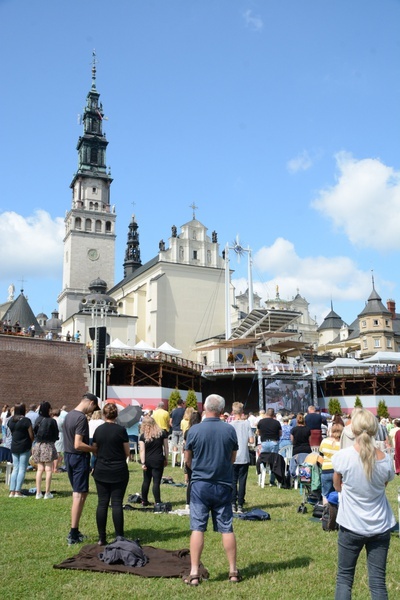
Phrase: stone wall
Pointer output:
(33, 370)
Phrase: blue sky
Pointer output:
(280, 119)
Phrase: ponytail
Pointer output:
(365, 426)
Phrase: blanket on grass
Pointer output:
(162, 563)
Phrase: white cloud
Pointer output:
(364, 203)
(302, 162)
(252, 21)
(318, 279)
(31, 247)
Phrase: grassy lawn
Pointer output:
(289, 557)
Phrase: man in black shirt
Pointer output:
(77, 459)
(270, 431)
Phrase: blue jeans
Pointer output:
(350, 545)
(270, 447)
(20, 462)
(282, 447)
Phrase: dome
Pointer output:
(53, 324)
(98, 285)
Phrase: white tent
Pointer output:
(383, 357)
(342, 363)
(168, 349)
(143, 347)
(118, 344)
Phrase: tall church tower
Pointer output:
(89, 242)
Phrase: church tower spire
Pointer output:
(132, 253)
(89, 242)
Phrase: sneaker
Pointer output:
(39, 496)
(11, 495)
(78, 539)
(187, 507)
(48, 496)
(240, 510)
(234, 508)
(17, 495)
(272, 485)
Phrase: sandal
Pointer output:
(235, 576)
(191, 579)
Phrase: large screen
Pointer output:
(287, 395)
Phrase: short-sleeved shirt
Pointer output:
(244, 433)
(313, 420)
(154, 450)
(111, 465)
(21, 441)
(75, 423)
(212, 442)
(301, 439)
(161, 417)
(176, 418)
(269, 429)
(363, 506)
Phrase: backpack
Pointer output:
(328, 518)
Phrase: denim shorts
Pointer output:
(78, 469)
(214, 497)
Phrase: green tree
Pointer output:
(173, 400)
(382, 410)
(358, 403)
(334, 407)
(191, 400)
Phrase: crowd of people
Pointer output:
(353, 453)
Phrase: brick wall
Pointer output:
(33, 370)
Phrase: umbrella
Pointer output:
(129, 416)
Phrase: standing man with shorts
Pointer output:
(77, 459)
(210, 452)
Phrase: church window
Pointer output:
(377, 343)
(90, 205)
(98, 226)
(108, 226)
(96, 206)
(365, 344)
(195, 254)
(88, 225)
(388, 343)
(78, 223)
(387, 322)
(376, 322)
(93, 155)
(363, 323)
(94, 190)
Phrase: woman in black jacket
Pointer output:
(44, 452)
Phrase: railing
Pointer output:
(152, 356)
(270, 369)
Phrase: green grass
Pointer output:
(289, 557)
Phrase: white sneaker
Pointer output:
(48, 496)
(187, 507)
(39, 496)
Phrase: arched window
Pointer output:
(108, 227)
(90, 205)
(96, 206)
(78, 223)
(98, 226)
(88, 225)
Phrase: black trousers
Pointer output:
(155, 474)
(239, 483)
(114, 492)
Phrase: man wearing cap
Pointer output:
(77, 459)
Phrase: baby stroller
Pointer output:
(309, 483)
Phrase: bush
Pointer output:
(382, 410)
(334, 407)
(191, 400)
(173, 400)
(358, 403)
